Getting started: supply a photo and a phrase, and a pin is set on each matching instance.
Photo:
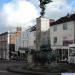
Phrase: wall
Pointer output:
(32, 40)
(3, 45)
(62, 34)
(42, 32)
(26, 40)
(21, 41)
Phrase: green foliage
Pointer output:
(44, 55)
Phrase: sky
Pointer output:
(23, 13)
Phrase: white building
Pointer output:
(26, 40)
(62, 33)
(7, 43)
(32, 38)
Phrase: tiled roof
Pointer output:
(63, 19)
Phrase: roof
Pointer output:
(63, 19)
(3, 33)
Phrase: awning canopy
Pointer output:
(23, 48)
(14, 52)
(21, 51)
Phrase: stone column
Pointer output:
(38, 33)
(42, 27)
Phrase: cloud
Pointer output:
(20, 13)
(24, 12)
(57, 9)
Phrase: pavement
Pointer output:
(19, 69)
(16, 68)
(4, 64)
(9, 73)
(28, 72)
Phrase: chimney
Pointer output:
(18, 29)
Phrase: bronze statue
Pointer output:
(42, 5)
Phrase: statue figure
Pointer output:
(42, 5)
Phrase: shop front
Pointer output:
(62, 52)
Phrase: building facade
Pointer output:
(12, 40)
(36, 35)
(26, 42)
(4, 45)
(62, 33)
(7, 43)
(26, 39)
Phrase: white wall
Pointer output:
(32, 38)
(44, 24)
(21, 40)
(60, 33)
(26, 39)
(45, 31)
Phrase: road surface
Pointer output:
(4, 65)
(9, 73)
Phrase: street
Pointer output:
(9, 73)
(5, 64)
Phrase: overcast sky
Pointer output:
(24, 12)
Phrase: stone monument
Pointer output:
(42, 26)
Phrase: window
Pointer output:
(55, 40)
(4, 37)
(34, 41)
(65, 26)
(1, 38)
(55, 28)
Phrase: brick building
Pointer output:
(7, 43)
